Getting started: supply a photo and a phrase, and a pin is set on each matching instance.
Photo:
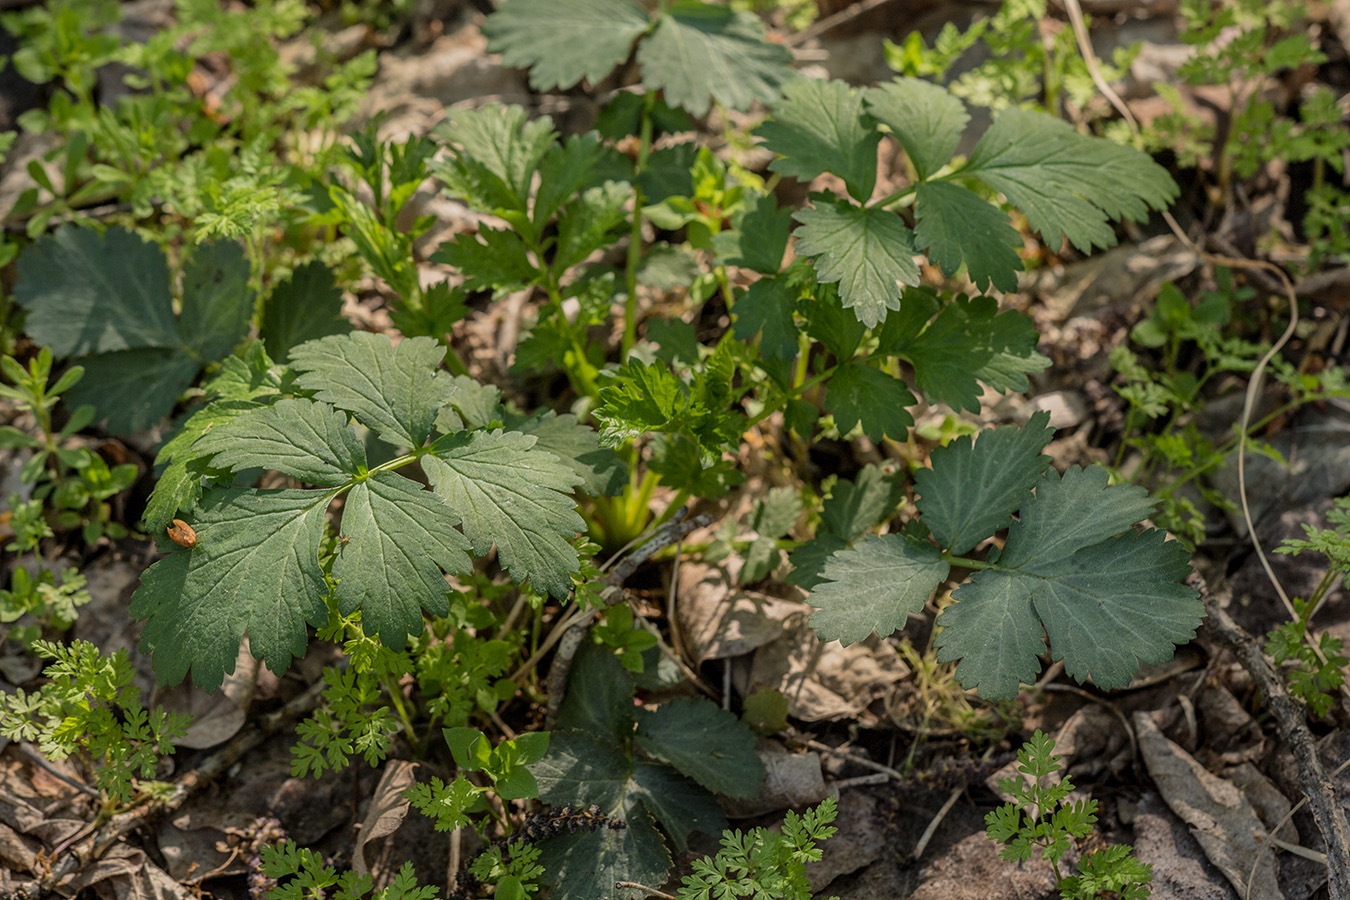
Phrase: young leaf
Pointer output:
(578, 163)
(820, 126)
(974, 487)
(1069, 186)
(512, 494)
(494, 259)
(304, 307)
(699, 53)
(563, 41)
(860, 393)
(926, 119)
(869, 252)
(585, 223)
(875, 587)
(708, 744)
(500, 149)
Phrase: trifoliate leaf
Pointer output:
(926, 119)
(584, 225)
(578, 447)
(707, 743)
(508, 492)
(758, 237)
(820, 126)
(87, 292)
(957, 227)
(394, 391)
(766, 307)
(869, 252)
(1106, 602)
(499, 149)
(304, 307)
(254, 570)
(974, 486)
(563, 41)
(699, 53)
(1069, 186)
(217, 298)
(860, 393)
(133, 389)
(399, 538)
(492, 259)
(875, 586)
(306, 440)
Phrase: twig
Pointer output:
(831, 22)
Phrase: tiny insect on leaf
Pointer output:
(182, 534)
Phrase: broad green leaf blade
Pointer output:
(492, 259)
(994, 632)
(582, 768)
(759, 237)
(255, 571)
(217, 299)
(578, 447)
(860, 393)
(853, 507)
(958, 228)
(304, 307)
(599, 699)
(677, 803)
(869, 252)
(499, 151)
(87, 292)
(767, 307)
(578, 163)
(133, 389)
(508, 492)
(1069, 186)
(306, 440)
(820, 126)
(394, 391)
(179, 485)
(875, 586)
(699, 53)
(585, 224)
(974, 487)
(705, 742)
(1075, 510)
(808, 560)
(926, 119)
(563, 41)
(400, 537)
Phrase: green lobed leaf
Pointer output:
(599, 698)
(585, 224)
(180, 483)
(578, 163)
(394, 391)
(306, 440)
(869, 252)
(699, 53)
(758, 237)
(133, 389)
(217, 298)
(859, 393)
(854, 507)
(705, 742)
(254, 571)
(507, 491)
(499, 150)
(958, 227)
(875, 586)
(766, 307)
(820, 126)
(400, 537)
(677, 803)
(87, 292)
(1069, 186)
(491, 259)
(563, 41)
(973, 487)
(643, 397)
(304, 307)
(925, 118)
(578, 447)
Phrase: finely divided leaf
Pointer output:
(1069, 186)
(306, 440)
(400, 537)
(563, 41)
(926, 119)
(707, 743)
(255, 570)
(820, 126)
(508, 492)
(699, 53)
(974, 487)
(869, 252)
(958, 228)
(394, 391)
(304, 307)
(875, 587)
(860, 393)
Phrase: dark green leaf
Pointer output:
(578, 447)
(758, 237)
(766, 307)
(599, 696)
(217, 298)
(133, 389)
(926, 119)
(869, 252)
(875, 586)
(584, 225)
(304, 307)
(861, 394)
(958, 228)
(306, 440)
(707, 743)
(820, 126)
(678, 804)
(494, 259)
(854, 507)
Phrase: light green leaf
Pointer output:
(508, 492)
(875, 587)
(584, 225)
(974, 487)
(958, 227)
(494, 259)
(563, 41)
(699, 53)
(306, 440)
(869, 252)
(859, 393)
(820, 126)
(254, 571)
(643, 398)
(705, 742)
(217, 298)
(304, 307)
(925, 118)
(400, 537)
(1069, 186)
(394, 391)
